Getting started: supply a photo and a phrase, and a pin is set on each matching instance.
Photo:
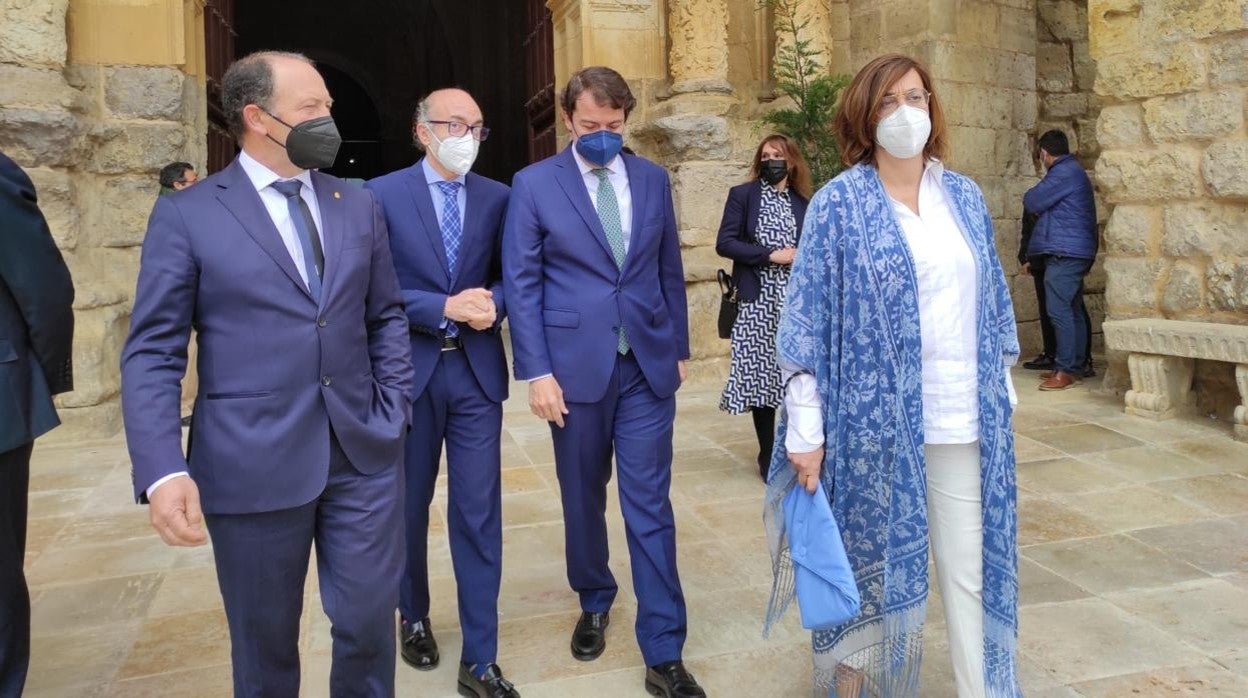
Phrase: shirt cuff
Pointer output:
(1009, 383)
(162, 481)
(538, 378)
(805, 412)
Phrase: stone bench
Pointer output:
(1161, 353)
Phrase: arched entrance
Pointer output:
(380, 56)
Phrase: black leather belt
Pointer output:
(452, 343)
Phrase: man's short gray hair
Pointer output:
(420, 116)
(249, 80)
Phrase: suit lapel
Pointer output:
(423, 201)
(333, 212)
(569, 177)
(753, 203)
(638, 198)
(241, 199)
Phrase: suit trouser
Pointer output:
(262, 561)
(955, 515)
(1063, 286)
(1046, 325)
(637, 424)
(455, 409)
(14, 596)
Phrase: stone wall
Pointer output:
(93, 134)
(1172, 75)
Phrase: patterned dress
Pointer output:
(754, 377)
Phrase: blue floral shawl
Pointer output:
(852, 320)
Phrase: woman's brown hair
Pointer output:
(799, 171)
(859, 111)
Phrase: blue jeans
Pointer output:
(1063, 298)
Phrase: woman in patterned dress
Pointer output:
(898, 332)
(759, 232)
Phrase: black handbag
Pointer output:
(727, 304)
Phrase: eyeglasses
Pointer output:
(917, 98)
(459, 128)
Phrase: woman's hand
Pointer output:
(784, 255)
(807, 467)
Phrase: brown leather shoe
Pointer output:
(1045, 375)
(1060, 380)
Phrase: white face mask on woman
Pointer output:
(904, 132)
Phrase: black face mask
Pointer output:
(773, 171)
(311, 144)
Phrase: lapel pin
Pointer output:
(337, 195)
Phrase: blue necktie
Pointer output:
(608, 206)
(452, 233)
(309, 239)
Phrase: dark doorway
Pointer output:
(380, 56)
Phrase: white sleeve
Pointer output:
(162, 481)
(1009, 383)
(801, 403)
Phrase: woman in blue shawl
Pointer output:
(900, 333)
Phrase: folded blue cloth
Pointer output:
(827, 594)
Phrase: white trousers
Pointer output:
(955, 519)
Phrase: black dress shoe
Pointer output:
(1088, 371)
(1042, 362)
(589, 638)
(420, 649)
(670, 680)
(492, 685)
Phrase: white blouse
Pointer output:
(947, 289)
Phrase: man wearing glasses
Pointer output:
(445, 224)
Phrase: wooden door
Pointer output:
(219, 53)
(539, 64)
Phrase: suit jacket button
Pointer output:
(322, 322)
(326, 380)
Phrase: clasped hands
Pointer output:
(474, 306)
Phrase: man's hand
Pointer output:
(483, 320)
(1026, 268)
(783, 256)
(469, 304)
(175, 513)
(807, 467)
(680, 369)
(546, 400)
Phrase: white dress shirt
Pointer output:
(617, 174)
(947, 290)
(275, 203)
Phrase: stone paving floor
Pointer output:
(1134, 569)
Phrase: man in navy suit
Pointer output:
(304, 374)
(596, 296)
(36, 333)
(445, 229)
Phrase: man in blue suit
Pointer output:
(596, 296)
(304, 374)
(36, 333)
(445, 229)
